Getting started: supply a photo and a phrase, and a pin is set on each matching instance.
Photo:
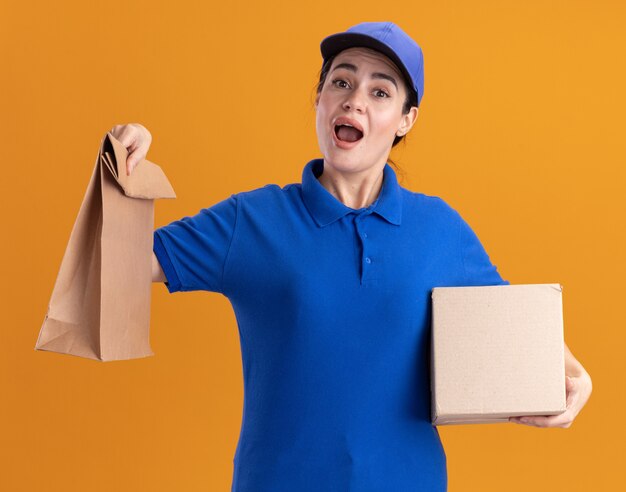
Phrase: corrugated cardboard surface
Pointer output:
(497, 351)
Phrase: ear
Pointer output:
(317, 99)
(407, 121)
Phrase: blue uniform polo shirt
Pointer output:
(333, 311)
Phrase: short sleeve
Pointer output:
(192, 251)
(477, 267)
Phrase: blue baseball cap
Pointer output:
(387, 38)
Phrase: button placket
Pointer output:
(366, 259)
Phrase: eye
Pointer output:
(338, 82)
(334, 82)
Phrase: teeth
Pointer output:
(347, 124)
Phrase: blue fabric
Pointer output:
(333, 310)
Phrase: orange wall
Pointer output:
(520, 129)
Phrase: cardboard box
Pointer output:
(496, 352)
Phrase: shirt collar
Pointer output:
(325, 208)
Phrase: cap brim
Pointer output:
(335, 43)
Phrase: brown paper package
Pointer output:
(100, 304)
(497, 351)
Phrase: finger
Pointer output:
(115, 131)
(133, 159)
(573, 396)
(563, 419)
(570, 383)
(129, 137)
(572, 389)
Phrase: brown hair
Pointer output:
(410, 101)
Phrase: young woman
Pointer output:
(330, 282)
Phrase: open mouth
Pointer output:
(347, 133)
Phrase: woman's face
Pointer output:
(367, 88)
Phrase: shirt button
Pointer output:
(368, 260)
(365, 234)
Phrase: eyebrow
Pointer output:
(375, 75)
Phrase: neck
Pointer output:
(354, 190)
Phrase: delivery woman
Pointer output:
(330, 283)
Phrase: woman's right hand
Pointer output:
(137, 139)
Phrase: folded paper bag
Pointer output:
(100, 304)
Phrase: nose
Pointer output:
(355, 101)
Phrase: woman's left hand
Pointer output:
(578, 389)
